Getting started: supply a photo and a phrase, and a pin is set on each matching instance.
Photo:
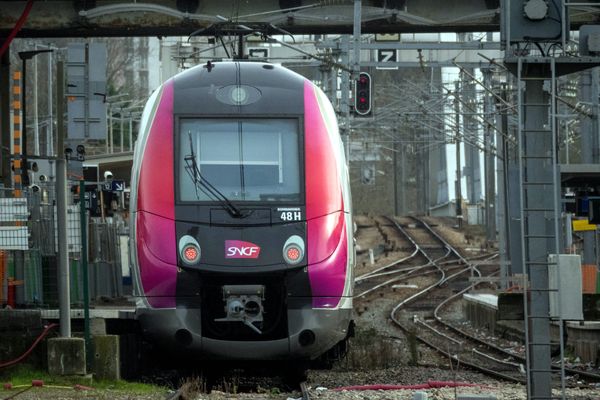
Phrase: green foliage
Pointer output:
(23, 375)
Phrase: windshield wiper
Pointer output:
(200, 182)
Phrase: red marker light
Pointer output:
(293, 250)
(293, 253)
(190, 253)
(189, 250)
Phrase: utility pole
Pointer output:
(589, 147)
(64, 298)
(395, 161)
(345, 95)
(459, 216)
(50, 129)
(36, 129)
(356, 37)
(490, 173)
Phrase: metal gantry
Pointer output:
(538, 172)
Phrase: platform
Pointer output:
(579, 175)
(103, 313)
(481, 309)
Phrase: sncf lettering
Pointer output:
(241, 249)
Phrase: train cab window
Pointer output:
(245, 160)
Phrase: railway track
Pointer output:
(416, 260)
(413, 263)
(420, 314)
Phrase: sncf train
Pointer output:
(241, 234)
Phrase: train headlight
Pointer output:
(293, 250)
(189, 250)
(239, 95)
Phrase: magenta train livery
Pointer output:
(241, 224)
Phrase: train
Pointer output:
(241, 234)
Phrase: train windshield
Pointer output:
(243, 159)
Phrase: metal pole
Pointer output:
(36, 130)
(356, 37)
(130, 132)
(345, 93)
(503, 195)
(395, 156)
(64, 294)
(86, 92)
(64, 298)
(110, 133)
(60, 109)
(84, 267)
(588, 152)
(102, 205)
(567, 160)
(537, 228)
(24, 168)
(596, 109)
(403, 185)
(121, 129)
(426, 176)
(459, 215)
(109, 139)
(490, 173)
(50, 138)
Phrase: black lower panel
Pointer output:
(205, 291)
(274, 325)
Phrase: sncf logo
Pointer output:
(240, 249)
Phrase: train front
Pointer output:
(241, 226)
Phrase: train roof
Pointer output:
(209, 89)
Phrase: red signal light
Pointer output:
(362, 98)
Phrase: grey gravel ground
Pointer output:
(498, 390)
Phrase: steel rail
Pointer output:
(431, 262)
(465, 334)
(589, 375)
(437, 235)
(469, 267)
(445, 352)
(414, 253)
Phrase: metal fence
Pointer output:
(29, 246)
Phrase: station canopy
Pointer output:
(87, 18)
